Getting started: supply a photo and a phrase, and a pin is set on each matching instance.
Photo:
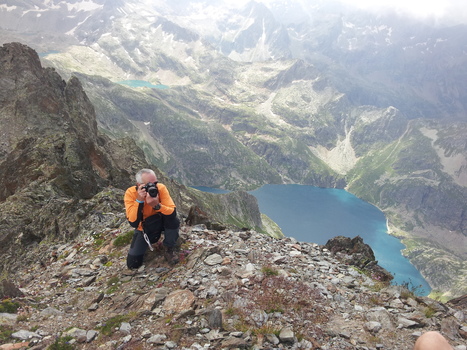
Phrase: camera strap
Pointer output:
(146, 238)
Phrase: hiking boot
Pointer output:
(171, 256)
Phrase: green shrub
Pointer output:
(8, 306)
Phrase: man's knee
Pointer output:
(432, 341)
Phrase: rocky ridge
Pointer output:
(232, 290)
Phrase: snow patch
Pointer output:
(8, 8)
(86, 5)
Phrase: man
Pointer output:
(150, 210)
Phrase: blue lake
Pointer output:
(142, 83)
(313, 214)
(44, 54)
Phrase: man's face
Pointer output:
(146, 178)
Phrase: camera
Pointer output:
(151, 188)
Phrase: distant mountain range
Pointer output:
(313, 93)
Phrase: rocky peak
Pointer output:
(49, 128)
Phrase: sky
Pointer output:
(452, 11)
(419, 8)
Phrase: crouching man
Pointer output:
(151, 211)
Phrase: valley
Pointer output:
(301, 105)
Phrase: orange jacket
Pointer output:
(132, 206)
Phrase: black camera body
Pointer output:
(151, 189)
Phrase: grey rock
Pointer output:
(405, 323)
(233, 343)
(381, 315)
(125, 327)
(273, 339)
(287, 335)
(79, 334)
(93, 307)
(171, 345)
(6, 318)
(25, 335)
(213, 259)
(157, 339)
(91, 335)
(373, 327)
(50, 311)
(215, 319)
(259, 317)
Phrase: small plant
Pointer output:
(22, 318)
(109, 326)
(412, 289)
(123, 239)
(269, 271)
(98, 240)
(62, 343)
(376, 300)
(430, 311)
(230, 311)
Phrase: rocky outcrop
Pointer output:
(353, 251)
(231, 290)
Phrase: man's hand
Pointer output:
(142, 194)
(152, 201)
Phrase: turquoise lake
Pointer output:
(313, 214)
(142, 83)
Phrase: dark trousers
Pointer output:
(169, 224)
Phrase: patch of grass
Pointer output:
(112, 285)
(8, 306)
(123, 239)
(62, 343)
(5, 333)
(267, 329)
